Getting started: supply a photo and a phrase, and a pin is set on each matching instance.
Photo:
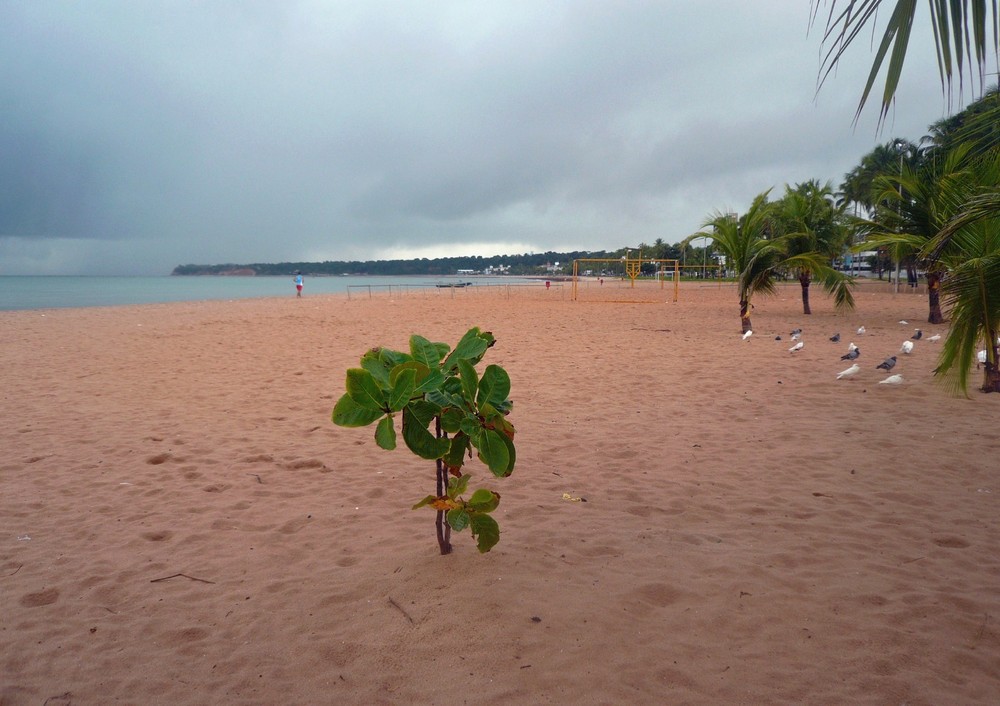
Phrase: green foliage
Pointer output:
(433, 386)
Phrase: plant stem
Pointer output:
(441, 526)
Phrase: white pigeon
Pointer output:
(747, 335)
(861, 331)
(853, 370)
(896, 379)
(851, 347)
(796, 347)
(796, 336)
(935, 338)
(907, 347)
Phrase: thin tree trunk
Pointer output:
(934, 298)
(805, 280)
(441, 526)
(745, 315)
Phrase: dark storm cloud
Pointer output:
(141, 135)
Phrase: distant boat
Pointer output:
(453, 284)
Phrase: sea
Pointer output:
(58, 292)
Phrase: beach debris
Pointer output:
(907, 347)
(777, 338)
(980, 358)
(851, 371)
(916, 336)
(852, 353)
(747, 335)
(835, 337)
(887, 364)
(797, 347)
(861, 330)
(896, 379)
(567, 496)
(904, 322)
(174, 576)
(935, 338)
(24, 538)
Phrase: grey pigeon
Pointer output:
(796, 332)
(917, 335)
(851, 354)
(835, 338)
(888, 363)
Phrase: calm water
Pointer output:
(41, 292)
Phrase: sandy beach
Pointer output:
(181, 523)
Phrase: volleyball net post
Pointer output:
(632, 269)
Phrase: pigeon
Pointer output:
(835, 338)
(747, 335)
(796, 336)
(935, 338)
(851, 346)
(795, 332)
(861, 331)
(851, 354)
(892, 380)
(796, 347)
(853, 370)
(907, 347)
(917, 335)
(888, 363)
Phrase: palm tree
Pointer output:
(916, 207)
(959, 28)
(758, 254)
(969, 244)
(812, 225)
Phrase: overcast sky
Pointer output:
(137, 135)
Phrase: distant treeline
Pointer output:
(528, 264)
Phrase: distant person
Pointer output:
(298, 283)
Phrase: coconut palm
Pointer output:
(755, 250)
(961, 28)
(812, 224)
(917, 205)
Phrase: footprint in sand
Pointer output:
(40, 598)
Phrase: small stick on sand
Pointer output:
(400, 609)
(173, 576)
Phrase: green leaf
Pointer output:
(457, 486)
(470, 380)
(348, 413)
(372, 362)
(455, 458)
(493, 452)
(432, 381)
(363, 389)
(483, 500)
(470, 348)
(472, 427)
(391, 358)
(512, 455)
(385, 433)
(402, 389)
(451, 420)
(486, 531)
(424, 411)
(423, 351)
(494, 387)
(419, 440)
(459, 520)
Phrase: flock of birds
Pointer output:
(854, 352)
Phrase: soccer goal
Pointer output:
(626, 279)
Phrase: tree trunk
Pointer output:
(805, 280)
(441, 526)
(934, 298)
(745, 315)
(991, 376)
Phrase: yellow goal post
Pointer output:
(632, 269)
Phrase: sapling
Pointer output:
(435, 387)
